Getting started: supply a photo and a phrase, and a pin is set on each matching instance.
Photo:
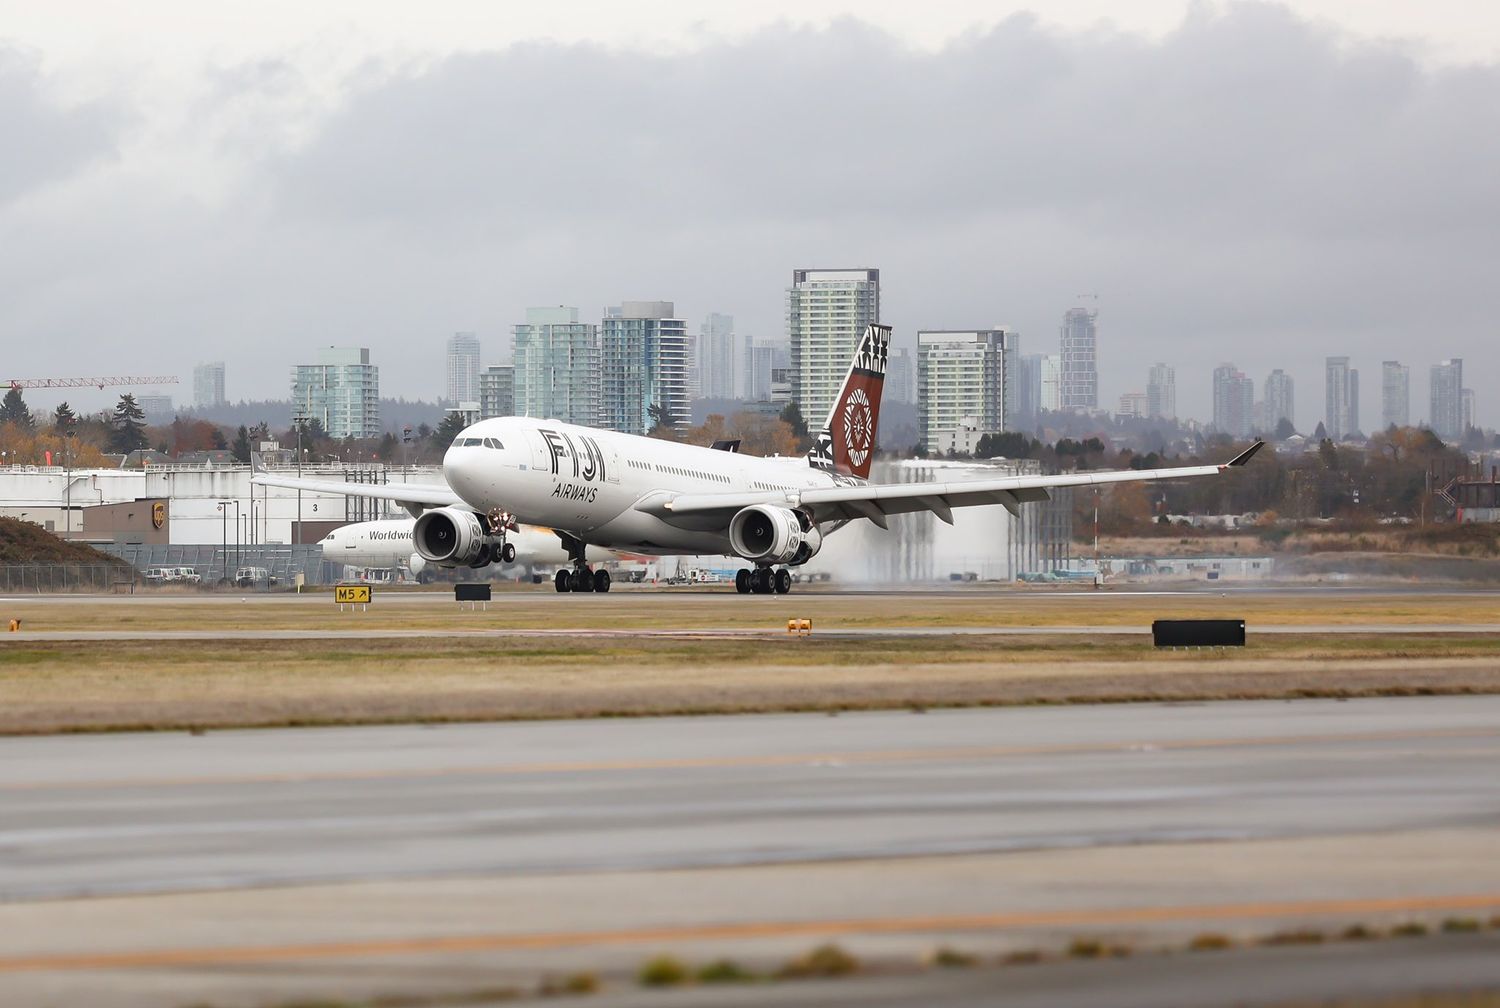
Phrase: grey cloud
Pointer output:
(1252, 187)
(44, 140)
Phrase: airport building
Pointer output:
(558, 367)
(982, 544)
(827, 311)
(341, 392)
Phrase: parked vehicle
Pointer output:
(159, 575)
(249, 577)
(188, 575)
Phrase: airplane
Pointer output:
(602, 488)
(388, 543)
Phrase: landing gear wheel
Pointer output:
(601, 580)
(742, 581)
(783, 581)
(581, 580)
(760, 581)
(508, 554)
(561, 580)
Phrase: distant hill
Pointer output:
(23, 542)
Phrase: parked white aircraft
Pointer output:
(388, 543)
(644, 495)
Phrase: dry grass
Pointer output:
(48, 686)
(542, 609)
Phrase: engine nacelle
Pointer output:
(451, 537)
(771, 534)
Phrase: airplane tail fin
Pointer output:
(846, 444)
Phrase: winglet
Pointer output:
(1244, 456)
(257, 464)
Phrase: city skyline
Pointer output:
(304, 212)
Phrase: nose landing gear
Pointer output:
(763, 581)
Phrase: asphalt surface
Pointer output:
(143, 813)
(245, 867)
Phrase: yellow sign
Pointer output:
(352, 594)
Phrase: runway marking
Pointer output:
(826, 758)
(1091, 917)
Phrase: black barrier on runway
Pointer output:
(1198, 633)
(471, 592)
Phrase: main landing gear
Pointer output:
(763, 581)
(580, 578)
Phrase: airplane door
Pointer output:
(541, 456)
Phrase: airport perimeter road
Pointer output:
(404, 859)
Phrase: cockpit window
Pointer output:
(473, 442)
(490, 442)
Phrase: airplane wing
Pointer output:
(412, 496)
(876, 501)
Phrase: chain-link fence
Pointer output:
(264, 566)
(17, 579)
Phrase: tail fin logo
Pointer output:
(859, 427)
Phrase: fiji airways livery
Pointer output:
(642, 495)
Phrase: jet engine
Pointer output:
(770, 534)
(452, 537)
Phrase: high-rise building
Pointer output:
(558, 367)
(1466, 408)
(1080, 360)
(1133, 405)
(1049, 383)
(157, 408)
(963, 381)
(497, 391)
(463, 368)
(1028, 390)
(208, 385)
(762, 357)
(1161, 392)
(1234, 401)
(1341, 416)
(899, 380)
(718, 359)
(645, 360)
(1395, 394)
(1447, 399)
(826, 314)
(341, 392)
(1278, 404)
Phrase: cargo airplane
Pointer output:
(388, 543)
(601, 488)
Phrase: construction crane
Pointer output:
(20, 383)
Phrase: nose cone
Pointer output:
(463, 468)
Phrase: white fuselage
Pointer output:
(588, 482)
(388, 543)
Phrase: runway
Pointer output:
(386, 854)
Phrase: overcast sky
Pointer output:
(1255, 183)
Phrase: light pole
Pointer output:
(223, 540)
